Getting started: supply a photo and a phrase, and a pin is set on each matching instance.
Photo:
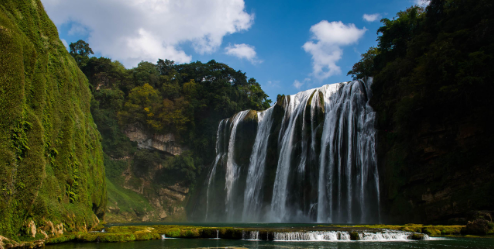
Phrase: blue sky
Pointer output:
(287, 46)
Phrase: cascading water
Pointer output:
(308, 158)
(252, 196)
(231, 166)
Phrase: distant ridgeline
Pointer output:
(52, 178)
(309, 158)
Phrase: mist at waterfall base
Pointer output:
(308, 158)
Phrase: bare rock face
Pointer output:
(166, 142)
(31, 229)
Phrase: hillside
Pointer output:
(52, 178)
(432, 86)
(158, 123)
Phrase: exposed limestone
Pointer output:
(165, 143)
(44, 233)
(178, 188)
(31, 229)
(163, 214)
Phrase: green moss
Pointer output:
(51, 164)
(418, 236)
(354, 235)
(106, 237)
(61, 239)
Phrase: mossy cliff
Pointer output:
(52, 178)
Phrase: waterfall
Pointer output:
(308, 158)
(219, 156)
(252, 196)
(231, 166)
(294, 107)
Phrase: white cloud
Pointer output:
(422, 3)
(297, 84)
(134, 30)
(325, 47)
(371, 17)
(243, 51)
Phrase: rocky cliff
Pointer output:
(142, 185)
(52, 177)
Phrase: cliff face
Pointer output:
(141, 187)
(163, 202)
(52, 177)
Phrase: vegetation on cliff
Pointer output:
(432, 93)
(52, 177)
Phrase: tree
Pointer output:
(140, 106)
(80, 51)
(365, 67)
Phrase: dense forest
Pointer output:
(433, 80)
(186, 100)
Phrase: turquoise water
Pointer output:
(466, 243)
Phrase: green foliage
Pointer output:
(80, 51)
(51, 161)
(365, 67)
(185, 163)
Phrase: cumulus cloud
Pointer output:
(371, 17)
(243, 51)
(134, 30)
(326, 43)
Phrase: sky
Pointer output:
(288, 46)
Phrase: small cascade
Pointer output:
(387, 236)
(217, 234)
(163, 236)
(253, 235)
(344, 236)
(312, 236)
(313, 159)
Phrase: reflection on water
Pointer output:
(223, 243)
